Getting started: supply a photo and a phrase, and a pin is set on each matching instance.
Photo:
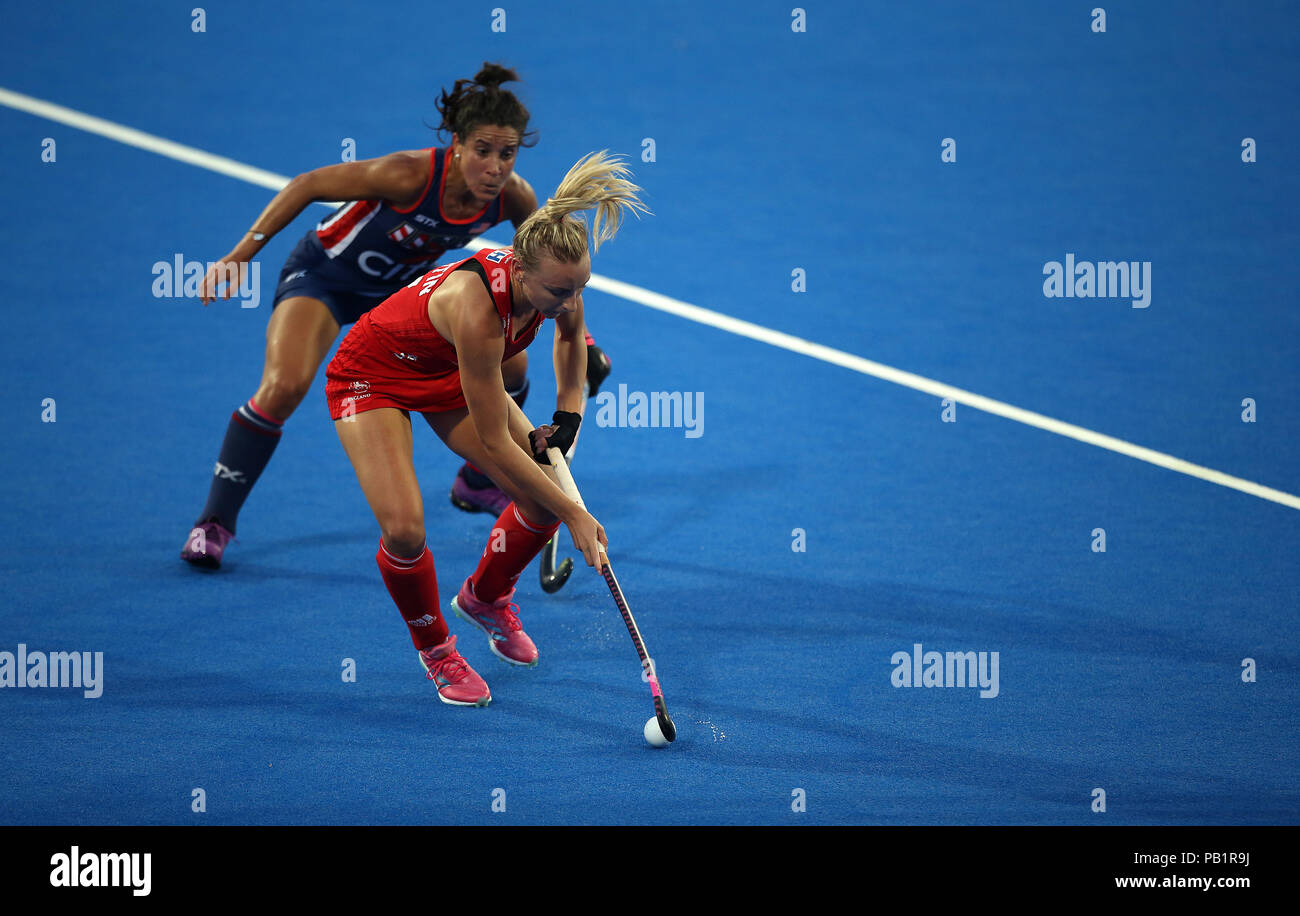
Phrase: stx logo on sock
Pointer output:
(230, 474)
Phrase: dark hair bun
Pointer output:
(481, 101)
(493, 75)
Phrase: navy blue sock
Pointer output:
(250, 439)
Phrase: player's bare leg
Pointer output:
(298, 337)
(521, 529)
(378, 443)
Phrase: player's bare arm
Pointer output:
(570, 357)
(398, 178)
(479, 342)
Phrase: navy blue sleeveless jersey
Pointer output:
(367, 249)
(385, 246)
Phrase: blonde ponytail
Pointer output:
(596, 181)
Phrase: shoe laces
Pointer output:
(504, 614)
(512, 618)
(449, 667)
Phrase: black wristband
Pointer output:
(566, 425)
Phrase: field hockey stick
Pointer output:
(553, 575)
(565, 480)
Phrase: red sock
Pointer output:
(510, 548)
(414, 587)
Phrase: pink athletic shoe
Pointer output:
(500, 621)
(477, 499)
(206, 543)
(458, 684)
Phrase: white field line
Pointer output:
(662, 303)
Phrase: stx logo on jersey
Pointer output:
(476, 229)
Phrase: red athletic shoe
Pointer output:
(205, 544)
(457, 682)
(500, 621)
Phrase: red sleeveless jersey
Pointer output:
(395, 357)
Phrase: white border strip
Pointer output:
(650, 299)
(139, 139)
(929, 386)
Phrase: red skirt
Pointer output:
(366, 375)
